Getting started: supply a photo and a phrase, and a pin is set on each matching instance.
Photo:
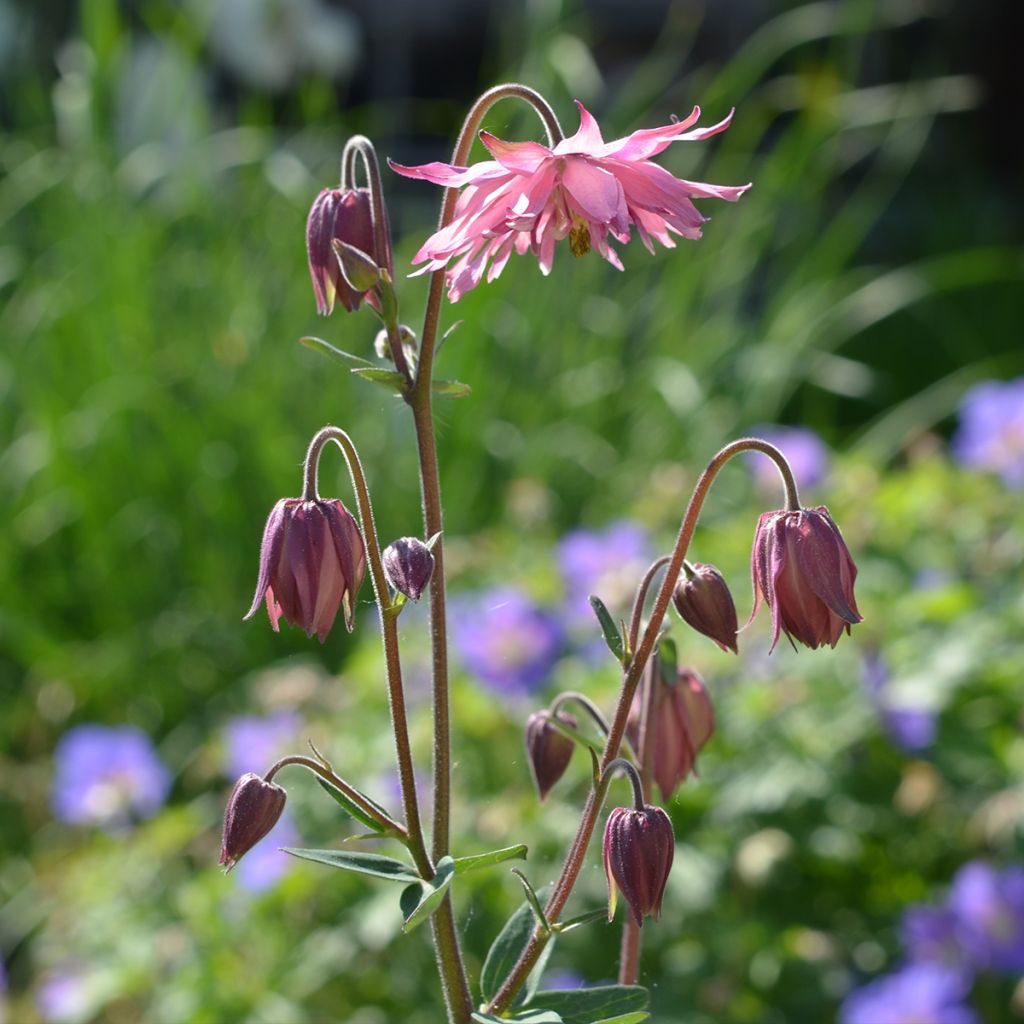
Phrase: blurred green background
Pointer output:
(157, 161)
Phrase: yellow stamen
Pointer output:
(579, 237)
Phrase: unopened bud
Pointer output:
(408, 565)
(359, 271)
(638, 850)
(254, 808)
(548, 749)
(703, 601)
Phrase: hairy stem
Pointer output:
(577, 851)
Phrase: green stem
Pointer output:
(457, 996)
(389, 629)
(574, 858)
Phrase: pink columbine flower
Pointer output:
(312, 562)
(802, 568)
(530, 196)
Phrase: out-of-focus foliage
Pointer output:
(154, 404)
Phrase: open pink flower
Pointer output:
(529, 197)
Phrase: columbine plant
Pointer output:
(527, 199)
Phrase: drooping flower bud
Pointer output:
(312, 562)
(802, 568)
(345, 215)
(638, 851)
(253, 809)
(684, 721)
(360, 272)
(408, 565)
(703, 601)
(547, 749)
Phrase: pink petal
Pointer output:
(704, 133)
(648, 142)
(521, 157)
(448, 174)
(597, 191)
(588, 138)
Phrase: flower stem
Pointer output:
(389, 629)
(574, 859)
(641, 599)
(386, 822)
(453, 975)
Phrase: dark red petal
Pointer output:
(270, 552)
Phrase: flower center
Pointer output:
(579, 237)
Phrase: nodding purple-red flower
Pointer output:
(253, 809)
(548, 750)
(683, 720)
(408, 565)
(704, 602)
(531, 196)
(312, 562)
(638, 851)
(343, 215)
(802, 568)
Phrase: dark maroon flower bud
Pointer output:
(803, 570)
(703, 601)
(408, 565)
(254, 808)
(344, 215)
(638, 851)
(683, 720)
(312, 562)
(547, 749)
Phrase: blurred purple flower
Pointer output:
(989, 908)
(804, 450)
(253, 744)
(561, 980)
(930, 934)
(910, 728)
(107, 776)
(63, 995)
(917, 994)
(509, 643)
(609, 563)
(991, 431)
(264, 865)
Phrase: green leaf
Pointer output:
(485, 860)
(421, 899)
(352, 808)
(526, 1017)
(578, 922)
(451, 389)
(390, 379)
(593, 1005)
(363, 863)
(531, 898)
(612, 636)
(319, 345)
(626, 1018)
(507, 947)
(669, 661)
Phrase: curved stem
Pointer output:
(389, 628)
(584, 702)
(368, 807)
(620, 764)
(574, 858)
(641, 599)
(457, 996)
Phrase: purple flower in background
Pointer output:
(253, 743)
(804, 450)
(560, 980)
(107, 775)
(264, 865)
(917, 994)
(930, 934)
(608, 563)
(63, 995)
(989, 908)
(509, 643)
(910, 728)
(991, 431)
